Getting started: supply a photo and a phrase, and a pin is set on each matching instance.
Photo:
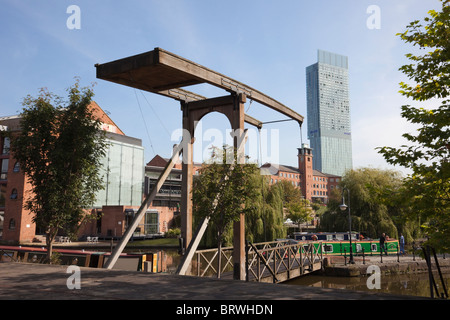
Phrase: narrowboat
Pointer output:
(337, 243)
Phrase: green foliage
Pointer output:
(429, 152)
(265, 219)
(297, 208)
(173, 233)
(59, 148)
(221, 190)
(261, 204)
(378, 204)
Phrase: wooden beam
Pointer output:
(160, 71)
(250, 120)
(219, 80)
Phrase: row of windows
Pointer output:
(325, 179)
(297, 184)
(289, 175)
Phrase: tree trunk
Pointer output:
(49, 243)
(49, 238)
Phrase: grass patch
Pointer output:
(154, 242)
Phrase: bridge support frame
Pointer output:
(232, 106)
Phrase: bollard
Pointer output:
(345, 256)
(381, 255)
(181, 249)
(364, 256)
(398, 254)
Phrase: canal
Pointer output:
(403, 284)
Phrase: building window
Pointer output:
(6, 145)
(12, 224)
(151, 225)
(4, 169)
(16, 167)
(2, 195)
(14, 194)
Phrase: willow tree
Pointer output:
(428, 155)
(265, 216)
(59, 147)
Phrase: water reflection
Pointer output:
(406, 284)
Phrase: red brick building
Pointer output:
(16, 223)
(315, 185)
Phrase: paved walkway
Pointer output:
(23, 281)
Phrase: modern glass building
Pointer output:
(328, 113)
(122, 171)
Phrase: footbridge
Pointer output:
(274, 262)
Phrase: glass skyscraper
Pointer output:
(328, 113)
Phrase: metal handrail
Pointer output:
(266, 257)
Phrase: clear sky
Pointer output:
(264, 44)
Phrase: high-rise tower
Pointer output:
(328, 113)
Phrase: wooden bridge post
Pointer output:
(237, 124)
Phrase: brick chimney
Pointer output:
(306, 170)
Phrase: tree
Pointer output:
(59, 148)
(220, 192)
(297, 209)
(265, 218)
(375, 204)
(428, 155)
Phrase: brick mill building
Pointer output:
(314, 185)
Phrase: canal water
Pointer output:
(405, 284)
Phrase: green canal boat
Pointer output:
(337, 243)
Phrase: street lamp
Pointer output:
(344, 207)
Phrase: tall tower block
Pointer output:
(328, 113)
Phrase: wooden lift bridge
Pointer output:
(164, 73)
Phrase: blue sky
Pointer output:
(264, 44)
